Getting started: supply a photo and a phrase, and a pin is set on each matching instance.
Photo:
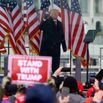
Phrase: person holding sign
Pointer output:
(53, 37)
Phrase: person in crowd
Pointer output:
(40, 93)
(91, 89)
(80, 88)
(74, 96)
(98, 90)
(98, 95)
(13, 91)
(53, 37)
(57, 78)
(20, 94)
(6, 81)
(52, 83)
(9, 93)
(69, 92)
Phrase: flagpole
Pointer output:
(61, 4)
(9, 34)
(0, 61)
(8, 48)
(70, 61)
(70, 41)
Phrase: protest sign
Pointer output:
(29, 69)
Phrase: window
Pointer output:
(93, 62)
(98, 26)
(98, 8)
(84, 6)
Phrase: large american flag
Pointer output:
(17, 27)
(3, 17)
(3, 34)
(4, 26)
(33, 27)
(11, 35)
(77, 30)
(65, 18)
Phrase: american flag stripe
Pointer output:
(64, 17)
(35, 45)
(13, 43)
(34, 48)
(20, 45)
(78, 43)
(32, 16)
(78, 46)
(3, 33)
(11, 36)
(18, 27)
(4, 19)
(73, 24)
(76, 30)
(19, 30)
(33, 24)
(33, 27)
(78, 35)
(32, 30)
(65, 21)
(2, 49)
(4, 22)
(84, 51)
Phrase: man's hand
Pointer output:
(65, 50)
(98, 96)
(58, 71)
(96, 86)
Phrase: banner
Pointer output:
(29, 69)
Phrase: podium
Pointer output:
(90, 36)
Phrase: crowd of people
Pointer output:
(57, 89)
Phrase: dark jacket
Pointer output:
(52, 38)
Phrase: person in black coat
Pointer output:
(53, 37)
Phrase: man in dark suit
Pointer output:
(52, 38)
